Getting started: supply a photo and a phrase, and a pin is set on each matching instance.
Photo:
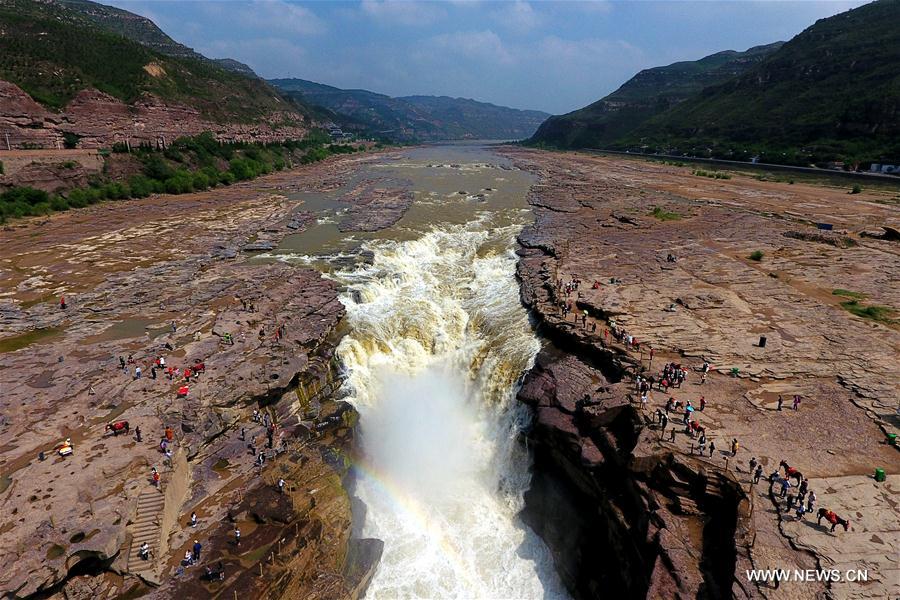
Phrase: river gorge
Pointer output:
(437, 344)
(386, 333)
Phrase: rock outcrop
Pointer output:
(140, 282)
(99, 120)
(632, 509)
(621, 513)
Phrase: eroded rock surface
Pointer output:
(163, 277)
(651, 517)
(101, 120)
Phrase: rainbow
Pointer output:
(412, 507)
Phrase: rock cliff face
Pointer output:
(623, 515)
(100, 120)
(141, 281)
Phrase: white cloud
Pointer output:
(269, 15)
(401, 12)
(594, 6)
(269, 56)
(518, 15)
(588, 52)
(478, 45)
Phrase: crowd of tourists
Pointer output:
(797, 497)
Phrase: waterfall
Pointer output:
(438, 340)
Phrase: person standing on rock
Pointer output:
(796, 402)
(712, 448)
(734, 447)
(702, 403)
(170, 434)
(137, 372)
(197, 548)
(193, 519)
(665, 421)
(280, 486)
(752, 465)
(780, 401)
(811, 501)
(237, 536)
(122, 363)
(785, 486)
(137, 433)
(758, 474)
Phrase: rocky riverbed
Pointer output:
(175, 277)
(631, 509)
(626, 507)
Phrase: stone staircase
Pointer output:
(146, 528)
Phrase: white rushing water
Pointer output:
(438, 341)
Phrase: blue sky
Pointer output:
(548, 55)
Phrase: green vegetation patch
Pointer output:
(711, 174)
(873, 312)
(848, 293)
(756, 255)
(189, 164)
(664, 215)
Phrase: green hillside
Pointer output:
(649, 93)
(832, 92)
(52, 52)
(414, 118)
(142, 30)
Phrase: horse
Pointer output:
(790, 471)
(118, 427)
(832, 518)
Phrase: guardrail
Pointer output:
(749, 165)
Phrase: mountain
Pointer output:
(414, 118)
(105, 74)
(141, 30)
(649, 93)
(831, 93)
(84, 44)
